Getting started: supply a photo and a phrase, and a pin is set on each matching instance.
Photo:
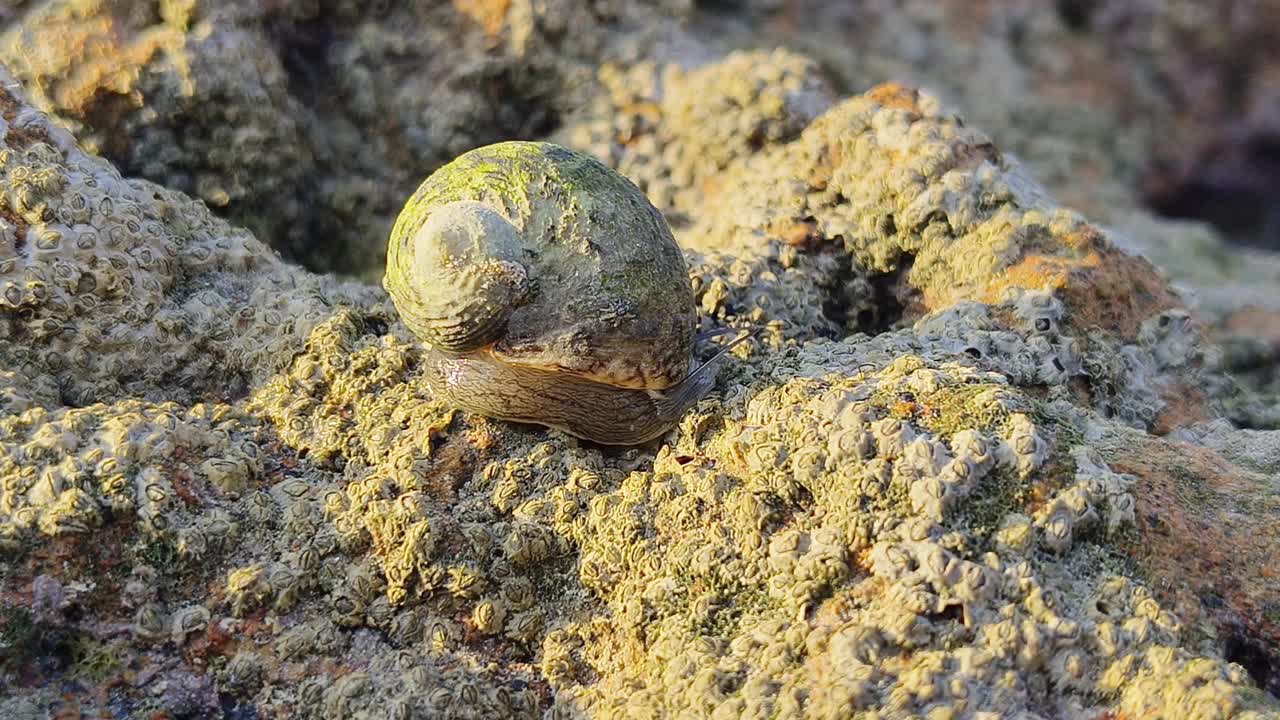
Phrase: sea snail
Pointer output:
(550, 291)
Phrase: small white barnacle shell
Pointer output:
(489, 616)
(189, 620)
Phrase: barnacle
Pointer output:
(247, 587)
(489, 616)
(189, 620)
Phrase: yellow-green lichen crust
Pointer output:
(903, 525)
(611, 298)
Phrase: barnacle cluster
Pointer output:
(875, 524)
(918, 496)
(263, 111)
(868, 236)
(114, 287)
(671, 129)
(65, 469)
(841, 547)
(440, 528)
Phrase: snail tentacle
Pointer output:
(674, 401)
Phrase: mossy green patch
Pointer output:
(1124, 563)
(1271, 611)
(1192, 490)
(948, 410)
(997, 494)
(895, 500)
(97, 660)
(514, 171)
(958, 407)
(19, 635)
(720, 612)
(160, 552)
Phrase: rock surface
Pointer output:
(985, 460)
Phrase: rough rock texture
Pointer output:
(119, 288)
(983, 462)
(1111, 105)
(1177, 101)
(305, 121)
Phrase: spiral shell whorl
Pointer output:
(605, 295)
(468, 277)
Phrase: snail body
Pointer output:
(550, 291)
(596, 411)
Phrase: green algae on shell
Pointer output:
(550, 291)
(596, 285)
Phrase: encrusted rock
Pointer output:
(927, 490)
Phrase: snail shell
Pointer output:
(550, 291)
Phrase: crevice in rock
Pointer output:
(1250, 653)
(836, 304)
(721, 6)
(1075, 14)
(304, 52)
(892, 296)
(517, 112)
(872, 304)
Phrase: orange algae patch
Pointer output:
(1184, 405)
(1101, 286)
(488, 14)
(895, 96)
